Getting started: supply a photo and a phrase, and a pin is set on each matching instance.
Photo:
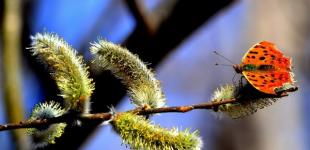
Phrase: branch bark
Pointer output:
(68, 118)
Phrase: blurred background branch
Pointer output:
(12, 69)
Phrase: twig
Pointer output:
(183, 109)
(107, 116)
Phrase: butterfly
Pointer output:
(266, 68)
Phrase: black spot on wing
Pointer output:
(253, 80)
(259, 46)
(262, 58)
(262, 77)
(253, 52)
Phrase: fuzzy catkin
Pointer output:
(46, 135)
(143, 88)
(140, 133)
(67, 68)
(249, 100)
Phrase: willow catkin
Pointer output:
(67, 68)
(143, 88)
(139, 133)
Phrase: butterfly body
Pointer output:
(267, 69)
(252, 67)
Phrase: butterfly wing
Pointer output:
(266, 53)
(270, 82)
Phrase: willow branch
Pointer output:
(183, 109)
(68, 118)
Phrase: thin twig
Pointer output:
(107, 116)
(183, 109)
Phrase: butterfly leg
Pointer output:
(241, 81)
(282, 91)
(233, 79)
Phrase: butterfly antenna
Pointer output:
(216, 53)
(228, 65)
(233, 79)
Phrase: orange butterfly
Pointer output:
(267, 69)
